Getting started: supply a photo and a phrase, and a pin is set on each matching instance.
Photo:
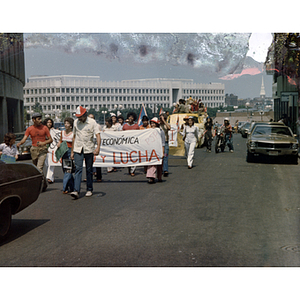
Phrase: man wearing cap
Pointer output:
(83, 148)
(40, 137)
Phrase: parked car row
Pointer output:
(272, 139)
(24, 149)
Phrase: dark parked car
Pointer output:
(24, 149)
(244, 129)
(20, 186)
(272, 140)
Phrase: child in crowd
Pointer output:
(67, 136)
(8, 147)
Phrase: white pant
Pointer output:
(190, 150)
(50, 173)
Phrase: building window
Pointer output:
(57, 90)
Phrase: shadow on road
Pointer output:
(20, 227)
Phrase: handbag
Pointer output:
(59, 153)
(69, 165)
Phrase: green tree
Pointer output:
(64, 114)
(37, 107)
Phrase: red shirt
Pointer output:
(130, 127)
(38, 133)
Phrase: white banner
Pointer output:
(173, 136)
(125, 149)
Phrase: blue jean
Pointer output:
(68, 180)
(78, 158)
(166, 158)
(228, 141)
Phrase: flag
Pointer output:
(142, 113)
(161, 111)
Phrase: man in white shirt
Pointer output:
(83, 148)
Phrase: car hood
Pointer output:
(273, 138)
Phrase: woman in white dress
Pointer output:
(190, 137)
(55, 134)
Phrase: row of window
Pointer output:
(94, 91)
(111, 98)
(190, 92)
(50, 108)
(116, 91)
(97, 98)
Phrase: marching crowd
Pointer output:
(76, 143)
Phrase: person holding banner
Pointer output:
(145, 121)
(190, 137)
(154, 170)
(67, 136)
(83, 148)
(165, 127)
(115, 123)
(109, 127)
(8, 147)
(131, 125)
(121, 122)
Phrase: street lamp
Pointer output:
(104, 112)
(247, 106)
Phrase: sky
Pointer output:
(258, 45)
(203, 57)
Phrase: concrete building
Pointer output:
(65, 92)
(231, 100)
(12, 80)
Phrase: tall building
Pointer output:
(12, 80)
(262, 89)
(65, 92)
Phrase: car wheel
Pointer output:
(5, 219)
(294, 159)
(250, 157)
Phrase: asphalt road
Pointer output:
(223, 212)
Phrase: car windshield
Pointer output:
(19, 136)
(268, 130)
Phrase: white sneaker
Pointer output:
(88, 194)
(231, 151)
(74, 195)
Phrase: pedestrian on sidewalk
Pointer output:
(190, 137)
(83, 148)
(40, 137)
